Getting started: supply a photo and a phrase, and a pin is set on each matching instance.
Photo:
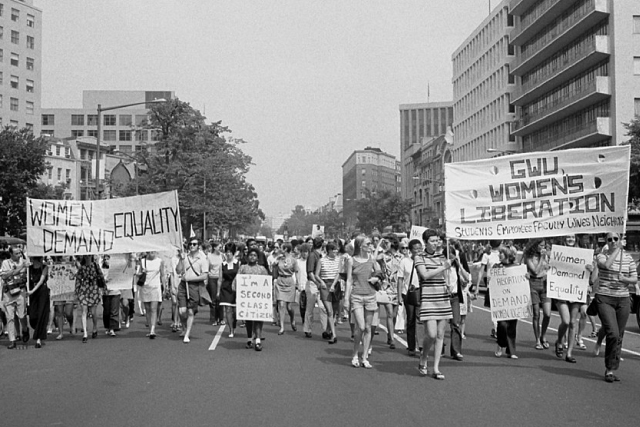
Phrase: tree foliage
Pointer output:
(633, 131)
(381, 209)
(300, 222)
(22, 162)
(204, 163)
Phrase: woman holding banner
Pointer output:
(537, 261)
(254, 327)
(569, 312)
(616, 271)
(435, 303)
(506, 330)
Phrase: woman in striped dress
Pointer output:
(435, 304)
(328, 269)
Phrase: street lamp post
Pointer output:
(99, 136)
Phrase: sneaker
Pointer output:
(186, 339)
(355, 362)
(366, 364)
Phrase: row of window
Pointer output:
(15, 16)
(565, 130)
(483, 93)
(15, 60)
(112, 135)
(14, 105)
(559, 25)
(14, 124)
(424, 122)
(92, 119)
(563, 58)
(494, 58)
(15, 38)
(492, 112)
(536, 10)
(477, 147)
(495, 28)
(67, 174)
(563, 93)
(15, 83)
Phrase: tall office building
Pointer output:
(578, 71)
(122, 129)
(371, 169)
(418, 122)
(20, 64)
(482, 88)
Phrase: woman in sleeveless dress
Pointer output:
(38, 299)
(151, 293)
(435, 303)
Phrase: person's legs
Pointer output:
(430, 334)
(359, 325)
(366, 334)
(190, 316)
(389, 313)
(10, 309)
(622, 316)
(574, 314)
(535, 322)
(512, 328)
(106, 309)
(114, 321)
(229, 315)
(455, 346)
(308, 319)
(565, 319)
(501, 332)
(437, 352)
(212, 288)
(148, 314)
(582, 322)
(607, 310)
(546, 318)
(83, 319)
(303, 305)
(292, 315)
(330, 320)
(59, 312)
(94, 317)
(410, 324)
(281, 314)
(124, 305)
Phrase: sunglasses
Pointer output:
(404, 247)
(612, 239)
(193, 244)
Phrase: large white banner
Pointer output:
(568, 277)
(81, 227)
(254, 297)
(510, 293)
(538, 194)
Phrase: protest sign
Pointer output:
(416, 233)
(317, 231)
(62, 281)
(567, 277)
(254, 297)
(510, 293)
(84, 227)
(121, 269)
(538, 194)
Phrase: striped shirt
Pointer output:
(606, 276)
(329, 268)
(431, 262)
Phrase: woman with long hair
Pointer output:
(225, 294)
(435, 304)
(327, 270)
(569, 312)
(506, 330)
(38, 299)
(537, 261)
(361, 294)
(88, 293)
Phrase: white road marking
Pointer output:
(553, 329)
(396, 336)
(214, 343)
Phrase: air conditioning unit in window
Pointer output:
(68, 156)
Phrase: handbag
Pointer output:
(99, 276)
(413, 295)
(142, 278)
(592, 310)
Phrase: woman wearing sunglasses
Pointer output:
(616, 272)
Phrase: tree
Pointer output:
(633, 131)
(22, 162)
(203, 163)
(300, 222)
(381, 209)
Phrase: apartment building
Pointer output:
(482, 90)
(20, 64)
(122, 129)
(577, 70)
(371, 169)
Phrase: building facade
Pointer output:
(20, 64)
(369, 169)
(418, 121)
(482, 90)
(122, 129)
(577, 70)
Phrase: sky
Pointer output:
(304, 83)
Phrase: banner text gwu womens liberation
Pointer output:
(538, 194)
(83, 227)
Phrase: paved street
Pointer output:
(131, 380)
